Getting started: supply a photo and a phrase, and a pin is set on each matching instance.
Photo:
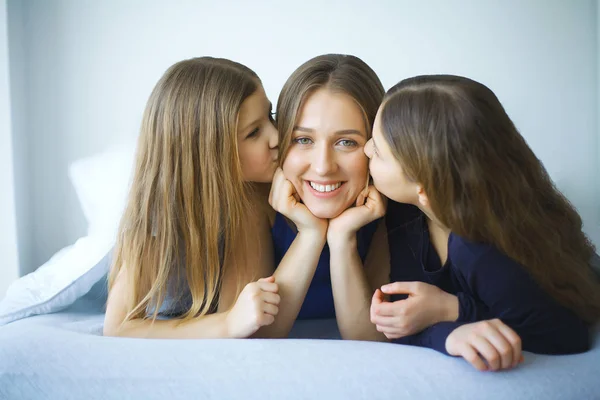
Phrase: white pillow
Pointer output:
(67, 276)
(102, 184)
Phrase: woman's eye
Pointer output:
(347, 143)
(303, 140)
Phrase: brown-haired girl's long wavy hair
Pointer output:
(188, 196)
(336, 72)
(452, 135)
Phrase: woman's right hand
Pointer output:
(487, 345)
(256, 306)
(284, 199)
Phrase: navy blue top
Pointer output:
(488, 285)
(318, 302)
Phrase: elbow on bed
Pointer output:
(108, 330)
(572, 342)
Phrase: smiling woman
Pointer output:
(325, 162)
(326, 215)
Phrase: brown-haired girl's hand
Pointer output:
(487, 345)
(284, 199)
(370, 205)
(425, 305)
(256, 306)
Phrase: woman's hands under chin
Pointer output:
(370, 205)
(285, 200)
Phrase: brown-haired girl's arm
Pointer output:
(511, 294)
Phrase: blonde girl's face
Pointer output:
(257, 138)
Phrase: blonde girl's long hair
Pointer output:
(188, 196)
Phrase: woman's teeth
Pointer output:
(325, 188)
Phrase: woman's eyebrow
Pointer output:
(342, 132)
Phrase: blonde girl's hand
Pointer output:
(256, 306)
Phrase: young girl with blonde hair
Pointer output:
(207, 141)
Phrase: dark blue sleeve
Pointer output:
(470, 309)
(433, 337)
(509, 293)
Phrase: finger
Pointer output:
(470, 354)
(266, 319)
(360, 200)
(271, 298)
(267, 279)
(377, 297)
(399, 288)
(513, 339)
(387, 330)
(388, 309)
(385, 321)
(374, 198)
(375, 301)
(277, 178)
(487, 350)
(270, 309)
(289, 193)
(392, 336)
(503, 347)
(268, 287)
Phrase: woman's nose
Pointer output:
(324, 162)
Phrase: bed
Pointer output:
(64, 356)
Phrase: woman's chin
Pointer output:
(327, 213)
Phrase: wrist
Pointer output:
(450, 309)
(227, 331)
(341, 240)
(316, 237)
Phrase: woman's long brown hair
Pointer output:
(452, 135)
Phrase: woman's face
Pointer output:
(326, 162)
(257, 138)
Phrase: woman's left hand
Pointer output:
(426, 305)
(370, 205)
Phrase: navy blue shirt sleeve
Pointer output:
(509, 293)
(433, 337)
(469, 309)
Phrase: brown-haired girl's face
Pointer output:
(257, 138)
(325, 162)
(385, 169)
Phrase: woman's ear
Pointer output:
(422, 196)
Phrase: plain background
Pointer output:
(75, 76)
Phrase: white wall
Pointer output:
(8, 231)
(19, 72)
(92, 64)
